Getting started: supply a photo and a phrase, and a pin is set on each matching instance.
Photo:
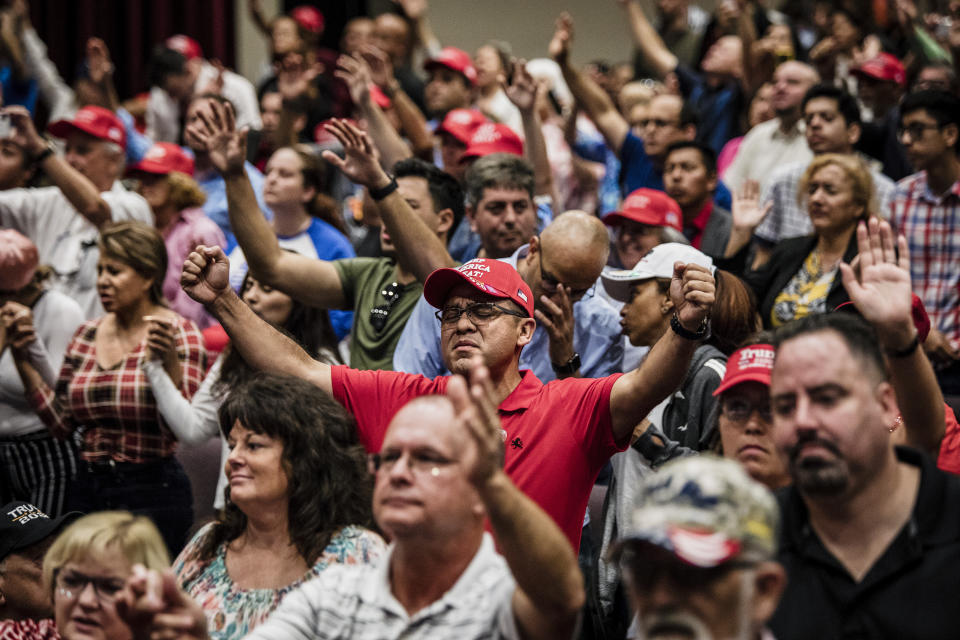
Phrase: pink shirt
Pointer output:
(190, 228)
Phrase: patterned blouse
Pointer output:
(233, 612)
(116, 406)
(28, 630)
(806, 293)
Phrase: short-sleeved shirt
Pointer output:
(719, 107)
(559, 435)
(363, 280)
(764, 149)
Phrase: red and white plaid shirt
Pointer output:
(931, 225)
(115, 406)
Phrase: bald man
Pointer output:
(577, 332)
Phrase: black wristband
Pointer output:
(907, 350)
(383, 192)
(702, 332)
(43, 155)
(568, 368)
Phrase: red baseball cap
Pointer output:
(492, 137)
(884, 67)
(96, 121)
(310, 18)
(749, 364)
(162, 158)
(455, 59)
(492, 277)
(186, 45)
(647, 206)
(461, 123)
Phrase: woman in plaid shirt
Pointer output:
(103, 399)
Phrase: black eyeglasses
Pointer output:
(71, 584)
(380, 313)
(478, 313)
(915, 129)
(549, 283)
(740, 410)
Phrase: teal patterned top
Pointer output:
(233, 612)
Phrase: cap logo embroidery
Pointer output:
(25, 513)
(522, 295)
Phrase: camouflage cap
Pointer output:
(706, 511)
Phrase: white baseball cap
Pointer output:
(657, 263)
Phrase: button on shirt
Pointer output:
(356, 602)
(596, 337)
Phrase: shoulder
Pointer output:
(599, 313)
(353, 545)
(912, 183)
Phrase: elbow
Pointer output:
(97, 212)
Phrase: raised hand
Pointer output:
(215, 132)
(98, 60)
(413, 9)
(361, 162)
(559, 48)
(379, 65)
(153, 606)
(523, 89)
(356, 75)
(693, 292)
(161, 338)
(206, 274)
(557, 319)
(746, 211)
(294, 77)
(23, 133)
(882, 292)
(475, 406)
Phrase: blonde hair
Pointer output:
(136, 537)
(185, 193)
(856, 171)
(141, 247)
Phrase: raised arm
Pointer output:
(663, 370)
(549, 590)
(205, 278)
(413, 123)
(882, 295)
(588, 94)
(314, 282)
(522, 92)
(418, 248)
(647, 41)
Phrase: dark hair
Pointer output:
(445, 191)
(329, 485)
(734, 317)
(846, 103)
(164, 62)
(937, 64)
(856, 333)
(498, 170)
(942, 107)
(707, 155)
(689, 115)
(139, 246)
(216, 97)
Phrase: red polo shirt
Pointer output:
(694, 229)
(559, 435)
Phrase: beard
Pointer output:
(670, 625)
(819, 476)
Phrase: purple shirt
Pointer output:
(190, 228)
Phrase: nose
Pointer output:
(509, 215)
(661, 594)
(401, 470)
(755, 424)
(88, 596)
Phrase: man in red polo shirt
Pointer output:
(690, 178)
(557, 436)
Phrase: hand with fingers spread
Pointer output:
(356, 75)
(295, 76)
(559, 47)
(747, 212)
(215, 132)
(556, 316)
(476, 409)
(379, 65)
(522, 91)
(361, 162)
(206, 274)
(692, 291)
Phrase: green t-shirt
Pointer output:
(362, 280)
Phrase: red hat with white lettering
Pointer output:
(492, 137)
(750, 364)
(647, 206)
(456, 59)
(95, 121)
(162, 158)
(492, 277)
(185, 45)
(461, 123)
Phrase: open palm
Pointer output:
(882, 294)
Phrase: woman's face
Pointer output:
(285, 36)
(283, 184)
(643, 318)
(270, 304)
(830, 201)
(254, 468)
(154, 188)
(487, 62)
(84, 594)
(745, 428)
(119, 286)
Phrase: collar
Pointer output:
(929, 196)
(523, 395)
(515, 258)
(796, 130)
(694, 229)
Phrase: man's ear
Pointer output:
(527, 327)
(770, 581)
(446, 219)
(853, 133)
(666, 303)
(950, 133)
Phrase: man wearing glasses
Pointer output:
(926, 209)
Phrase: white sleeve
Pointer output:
(54, 333)
(192, 421)
(18, 210)
(244, 98)
(59, 98)
(127, 205)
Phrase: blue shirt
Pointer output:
(137, 143)
(596, 337)
(637, 171)
(718, 106)
(465, 243)
(215, 207)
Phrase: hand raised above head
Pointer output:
(559, 47)
(361, 161)
(475, 406)
(206, 274)
(693, 292)
(214, 131)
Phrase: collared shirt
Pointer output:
(190, 228)
(559, 435)
(931, 225)
(116, 406)
(909, 592)
(789, 219)
(764, 149)
(694, 229)
(357, 603)
(596, 337)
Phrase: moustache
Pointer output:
(794, 451)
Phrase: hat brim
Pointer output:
(740, 378)
(616, 218)
(696, 550)
(145, 166)
(437, 287)
(619, 283)
(63, 129)
(41, 531)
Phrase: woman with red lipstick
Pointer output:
(102, 396)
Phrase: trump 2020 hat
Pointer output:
(492, 137)
(647, 206)
(461, 123)
(749, 364)
(95, 121)
(22, 524)
(492, 277)
(656, 263)
(706, 511)
(162, 158)
(455, 59)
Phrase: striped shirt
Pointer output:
(356, 602)
(116, 406)
(931, 225)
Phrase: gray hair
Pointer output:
(498, 170)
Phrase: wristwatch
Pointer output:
(702, 332)
(568, 368)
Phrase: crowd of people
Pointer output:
(660, 347)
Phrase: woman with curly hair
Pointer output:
(298, 500)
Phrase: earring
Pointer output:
(896, 424)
